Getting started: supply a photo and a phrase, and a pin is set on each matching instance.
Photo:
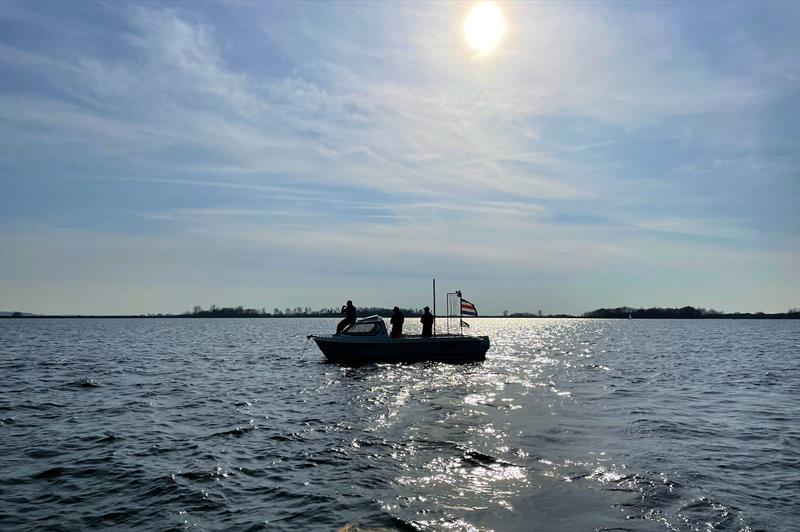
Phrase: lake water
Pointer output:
(242, 425)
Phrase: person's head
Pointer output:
(349, 303)
(427, 309)
(396, 309)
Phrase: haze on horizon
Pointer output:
(160, 155)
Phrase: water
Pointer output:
(240, 424)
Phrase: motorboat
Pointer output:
(367, 340)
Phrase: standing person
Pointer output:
(427, 322)
(350, 315)
(397, 323)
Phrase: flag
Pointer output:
(468, 308)
(464, 324)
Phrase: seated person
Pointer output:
(349, 312)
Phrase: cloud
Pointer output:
(700, 227)
(626, 68)
(179, 93)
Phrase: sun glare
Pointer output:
(484, 27)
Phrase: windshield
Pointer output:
(362, 329)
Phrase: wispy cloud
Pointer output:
(700, 227)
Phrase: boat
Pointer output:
(367, 341)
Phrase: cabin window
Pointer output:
(362, 329)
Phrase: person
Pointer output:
(427, 322)
(350, 315)
(397, 323)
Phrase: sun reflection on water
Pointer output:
(472, 443)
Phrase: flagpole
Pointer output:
(434, 306)
(460, 314)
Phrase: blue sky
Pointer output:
(157, 156)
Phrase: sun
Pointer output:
(484, 27)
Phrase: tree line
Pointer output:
(684, 313)
(297, 312)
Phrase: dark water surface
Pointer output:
(239, 424)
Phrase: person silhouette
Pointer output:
(350, 315)
(397, 323)
(427, 322)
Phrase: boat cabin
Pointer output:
(369, 326)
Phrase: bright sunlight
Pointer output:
(484, 27)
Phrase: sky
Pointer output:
(157, 156)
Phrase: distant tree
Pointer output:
(505, 313)
(276, 312)
(540, 313)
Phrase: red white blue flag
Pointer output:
(468, 309)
